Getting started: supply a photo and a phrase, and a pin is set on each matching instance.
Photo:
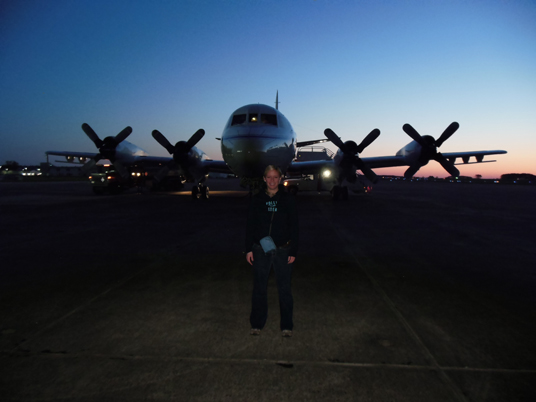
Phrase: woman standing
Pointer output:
(272, 213)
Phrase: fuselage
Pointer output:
(256, 136)
(413, 152)
(127, 152)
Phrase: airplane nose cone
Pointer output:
(248, 150)
(246, 157)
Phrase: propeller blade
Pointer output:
(123, 134)
(408, 174)
(451, 129)
(429, 150)
(350, 149)
(92, 135)
(194, 139)
(159, 137)
(369, 139)
(414, 135)
(330, 135)
(368, 172)
(448, 166)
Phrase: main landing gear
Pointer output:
(200, 191)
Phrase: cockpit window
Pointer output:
(269, 119)
(238, 119)
(252, 117)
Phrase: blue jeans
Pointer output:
(262, 265)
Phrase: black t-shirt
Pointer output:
(284, 223)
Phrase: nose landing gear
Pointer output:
(200, 191)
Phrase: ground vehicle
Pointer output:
(306, 183)
(109, 182)
(112, 182)
(318, 183)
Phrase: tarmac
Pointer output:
(415, 292)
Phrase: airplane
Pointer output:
(257, 135)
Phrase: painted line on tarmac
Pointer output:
(102, 294)
(283, 363)
(429, 357)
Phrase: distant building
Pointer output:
(51, 170)
(519, 178)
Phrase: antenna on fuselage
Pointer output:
(277, 100)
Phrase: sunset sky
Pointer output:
(178, 66)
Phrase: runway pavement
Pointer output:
(416, 292)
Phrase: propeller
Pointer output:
(350, 151)
(179, 151)
(106, 149)
(429, 150)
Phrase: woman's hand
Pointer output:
(249, 257)
(291, 259)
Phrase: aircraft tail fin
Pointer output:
(277, 100)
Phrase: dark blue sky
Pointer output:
(177, 66)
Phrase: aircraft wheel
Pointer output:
(204, 192)
(195, 192)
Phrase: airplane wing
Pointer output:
(312, 142)
(217, 166)
(75, 154)
(153, 160)
(414, 160)
(466, 156)
(309, 167)
(470, 157)
(72, 157)
(315, 167)
(401, 160)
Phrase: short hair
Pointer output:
(273, 167)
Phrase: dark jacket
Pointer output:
(284, 225)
